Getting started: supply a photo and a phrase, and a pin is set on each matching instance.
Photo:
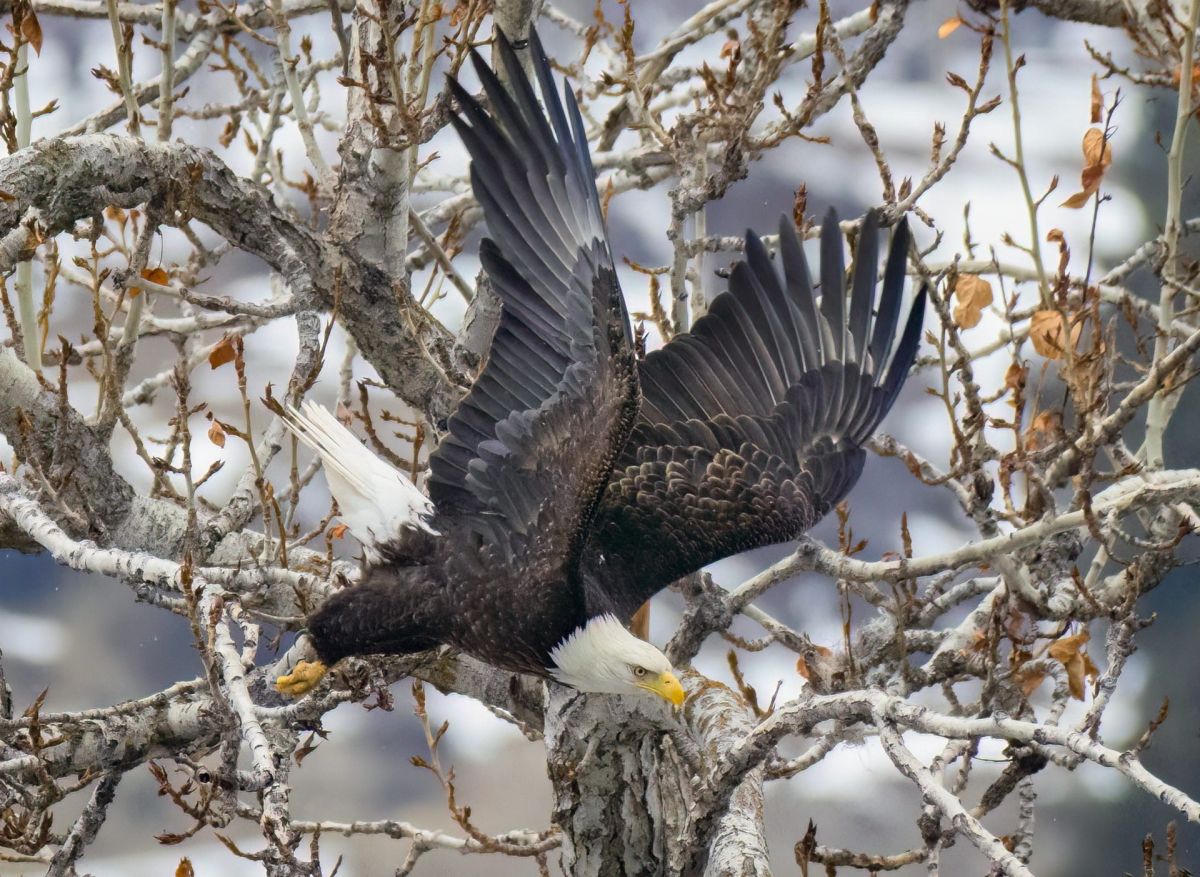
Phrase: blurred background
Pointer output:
(85, 639)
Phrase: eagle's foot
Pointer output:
(303, 679)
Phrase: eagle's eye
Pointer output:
(639, 672)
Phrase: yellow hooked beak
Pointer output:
(666, 686)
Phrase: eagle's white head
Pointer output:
(604, 657)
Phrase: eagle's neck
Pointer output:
(613, 585)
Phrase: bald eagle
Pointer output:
(576, 480)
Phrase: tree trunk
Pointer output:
(623, 772)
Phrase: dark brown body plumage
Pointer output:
(574, 479)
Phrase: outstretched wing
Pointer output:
(752, 425)
(532, 445)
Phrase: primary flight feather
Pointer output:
(575, 481)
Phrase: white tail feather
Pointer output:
(376, 500)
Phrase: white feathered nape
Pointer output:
(603, 656)
(376, 500)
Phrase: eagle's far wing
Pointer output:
(752, 425)
(529, 449)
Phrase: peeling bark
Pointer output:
(620, 788)
(625, 773)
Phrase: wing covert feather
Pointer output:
(752, 426)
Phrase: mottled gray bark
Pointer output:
(626, 774)
(620, 787)
(179, 720)
(1110, 13)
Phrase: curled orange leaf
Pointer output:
(1046, 333)
(1097, 157)
(31, 29)
(1070, 652)
(224, 352)
(949, 26)
(154, 275)
(971, 295)
(216, 433)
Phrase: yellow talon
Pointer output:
(303, 679)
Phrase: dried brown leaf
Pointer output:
(1046, 333)
(31, 29)
(949, 26)
(306, 748)
(1097, 157)
(1177, 74)
(1097, 101)
(1076, 201)
(972, 294)
(154, 275)
(1070, 651)
(1015, 377)
(1031, 678)
(1097, 150)
(224, 352)
(1045, 429)
(216, 433)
